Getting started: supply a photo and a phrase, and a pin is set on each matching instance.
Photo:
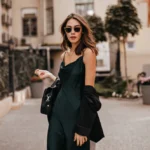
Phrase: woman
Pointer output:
(77, 71)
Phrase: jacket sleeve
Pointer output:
(89, 106)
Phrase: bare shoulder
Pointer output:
(62, 55)
(88, 55)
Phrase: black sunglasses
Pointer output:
(69, 29)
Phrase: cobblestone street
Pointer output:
(126, 125)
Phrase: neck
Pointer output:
(74, 45)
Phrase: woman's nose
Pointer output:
(72, 31)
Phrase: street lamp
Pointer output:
(11, 67)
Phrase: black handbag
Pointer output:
(49, 97)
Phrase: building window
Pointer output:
(84, 7)
(130, 45)
(29, 25)
(49, 17)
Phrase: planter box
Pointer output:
(37, 89)
(146, 93)
(5, 106)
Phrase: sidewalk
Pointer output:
(126, 125)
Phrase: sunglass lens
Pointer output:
(77, 29)
(68, 30)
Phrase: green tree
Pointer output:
(120, 21)
(97, 26)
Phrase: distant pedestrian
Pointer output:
(140, 78)
(144, 79)
(72, 124)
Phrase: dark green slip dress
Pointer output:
(66, 109)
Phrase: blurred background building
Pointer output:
(37, 22)
(5, 21)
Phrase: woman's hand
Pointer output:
(44, 74)
(80, 139)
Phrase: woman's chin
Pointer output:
(74, 41)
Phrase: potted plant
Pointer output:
(37, 87)
(145, 92)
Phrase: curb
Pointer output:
(7, 104)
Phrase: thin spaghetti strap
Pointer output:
(64, 57)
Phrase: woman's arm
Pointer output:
(89, 60)
(86, 115)
(46, 74)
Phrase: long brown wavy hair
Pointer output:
(87, 38)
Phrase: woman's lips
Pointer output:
(73, 37)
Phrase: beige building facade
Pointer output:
(27, 23)
(47, 16)
(138, 47)
(37, 22)
(5, 21)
